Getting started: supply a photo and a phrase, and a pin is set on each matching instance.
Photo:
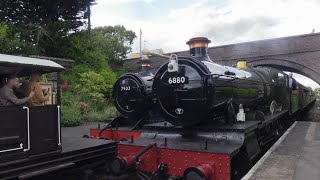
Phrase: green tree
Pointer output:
(10, 42)
(120, 39)
(44, 22)
(103, 46)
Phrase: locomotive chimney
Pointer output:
(145, 66)
(199, 47)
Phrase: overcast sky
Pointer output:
(168, 24)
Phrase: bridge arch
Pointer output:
(287, 65)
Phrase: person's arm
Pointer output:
(39, 94)
(13, 98)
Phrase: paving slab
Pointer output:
(79, 131)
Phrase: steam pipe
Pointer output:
(103, 129)
(143, 151)
(109, 125)
(119, 165)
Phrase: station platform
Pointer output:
(295, 156)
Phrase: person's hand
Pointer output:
(31, 94)
(45, 91)
(18, 85)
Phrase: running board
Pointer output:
(46, 171)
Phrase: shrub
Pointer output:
(69, 99)
(94, 88)
(316, 119)
(70, 116)
(112, 112)
(85, 50)
(100, 116)
(109, 79)
(73, 75)
(90, 87)
(96, 116)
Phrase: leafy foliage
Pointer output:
(105, 45)
(95, 87)
(88, 50)
(44, 22)
(316, 119)
(21, 13)
(100, 116)
(120, 40)
(109, 78)
(70, 116)
(10, 42)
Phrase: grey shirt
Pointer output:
(290, 82)
(8, 98)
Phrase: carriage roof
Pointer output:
(24, 66)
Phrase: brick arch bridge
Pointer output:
(299, 54)
(287, 65)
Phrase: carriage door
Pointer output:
(44, 129)
(13, 132)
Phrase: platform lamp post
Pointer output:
(56, 85)
(58, 89)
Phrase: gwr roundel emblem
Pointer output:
(179, 110)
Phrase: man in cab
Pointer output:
(40, 96)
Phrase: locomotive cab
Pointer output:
(24, 132)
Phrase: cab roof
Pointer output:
(24, 66)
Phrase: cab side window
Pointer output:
(281, 79)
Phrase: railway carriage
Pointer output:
(31, 142)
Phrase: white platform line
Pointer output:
(267, 154)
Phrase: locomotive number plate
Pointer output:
(177, 80)
(125, 88)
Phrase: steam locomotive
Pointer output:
(195, 119)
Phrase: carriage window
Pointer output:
(280, 76)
